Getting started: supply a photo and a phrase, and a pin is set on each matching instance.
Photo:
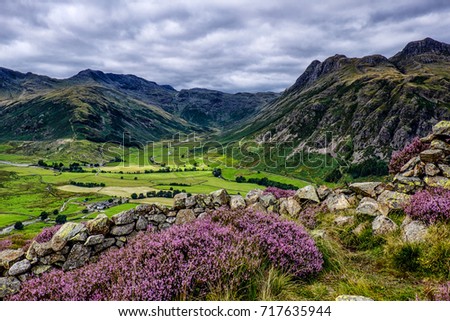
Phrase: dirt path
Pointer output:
(15, 164)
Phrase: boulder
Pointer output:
(431, 169)
(369, 206)
(9, 257)
(253, 196)
(52, 259)
(204, 201)
(39, 269)
(78, 256)
(185, 216)
(307, 193)
(37, 250)
(360, 228)
(119, 230)
(337, 202)
(413, 231)
(237, 202)
(442, 128)
(394, 200)
(141, 224)
(431, 155)
(124, 218)
(437, 181)
(172, 220)
(289, 206)
(410, 164)
(80, 237)
(179, 201)
(445, 170)
(220, 197)
(99, 225)
(107, 243)
(267, 200)
(323, 191)
(383, 225)
(439, 144)
(20, 267)
(157, 218)
(9, 286)
(191, 201)
(94, 240)
(419, 169)
(65, 233)
(365, 189)
(344, 220)
(345, 297)
(258, 208)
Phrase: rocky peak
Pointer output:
(425, 46)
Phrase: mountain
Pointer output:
(361, 107)
(102, 106)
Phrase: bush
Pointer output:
(217, 172)
(278, 192)
(47, 234)
(241, 179)
(55, 212)
(222, 251)
(5, 244)
(429, 206)
(43, 216)
(406, 257)
(18, 226)
(61, 219)
(134, 196)
(400, 158)
(334, 176)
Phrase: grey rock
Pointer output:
(100, 225)
(445, 170)
(191, 201)
(253, 196)
(202, 215)
(124, 218)
(141, 224)
(20, 267)
(204, 201)
(185, 216)
(52, 259)
(65, 233)
(94, 240)
(431, 155)
(164, 226)
(439, 144)
(410, 164)
(431, 169)
(78, 256)
(360, 228)
(345, 297)
(8, 286)
(172, 214)
(413, 231)
(323, 191)
(157, 218)
(220, 197)
(267, 200)
(394, 200)
(199, 210)
(237, 202)
(171, 220)
(120, 230)
(344, 220)
(337, 202)
(307, 193)
(179, 201)
(369, 206)
(442, 128)
(258, 208)
(382, 225)
(365, 189)
(108, 242)
(39, 269)
(437, 181)
(9, 257)
(37, 250)
(80, 237)
(289, 206)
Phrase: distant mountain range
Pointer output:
(363, 107)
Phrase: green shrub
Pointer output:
(406, 257)
(18, 226)
(61, 219)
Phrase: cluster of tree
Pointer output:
(73, 167)
(89, 184)
(54, 165)
(217, 172)
(167, 194)
(266, 182)
(369, 167)
(179, 184)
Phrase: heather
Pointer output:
(5, 244)
(47, 234)
(443, 292)
(430, 206)
(221, 252)
(279, 193)
(400, 158)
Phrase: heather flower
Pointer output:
(5, 244)
(308, 216)
(400, 158)
(443, 292)
(430, 206)
(278, 192)
(47, 234)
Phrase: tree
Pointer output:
(43, 216)
(61, 219)
(55, 212)
(134, 196)
(217, 172)
(141, 196)
(18, 226)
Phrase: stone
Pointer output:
(202, 215)
(94, 240)
(410, 164)
(409, 173)
(352, 200)
(78, 256)
(179, 201)
(9, 286)
(185, 216)
(253, 196)
(419, 169)
(428, 139)
(437, 181)
(289, 206)
(337, 202)
(407, 184)
(191, 201)
(141, 224)
(52, 259)
(258, 208)
(37, 250)
(442, 128)
(267, 200)
(20, 267)
(220, 197)
(199, 210)
(237, 202)
(431, 169)
(445, 170)
(360, 228)
(439, 144)
(344, 220)
(124, 218)
(382, 225)
(365, 189)
(119, 230)
(394, 200)
(99, 225)
(171, 220)
(164, 226)
(345, 297)
(413, 231)
(369, 206)
(80, 237)
(172, 213)
(65, 233)
(323, 191)
(108, 242)
(9, 257)
(157, 218)
(204, 200)
(431, 155)
(307, 193)
(39, 269)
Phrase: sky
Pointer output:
(227, 45)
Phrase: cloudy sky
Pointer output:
(229, 45)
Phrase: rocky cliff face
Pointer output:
(363, 107)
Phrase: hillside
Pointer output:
(361, 107)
